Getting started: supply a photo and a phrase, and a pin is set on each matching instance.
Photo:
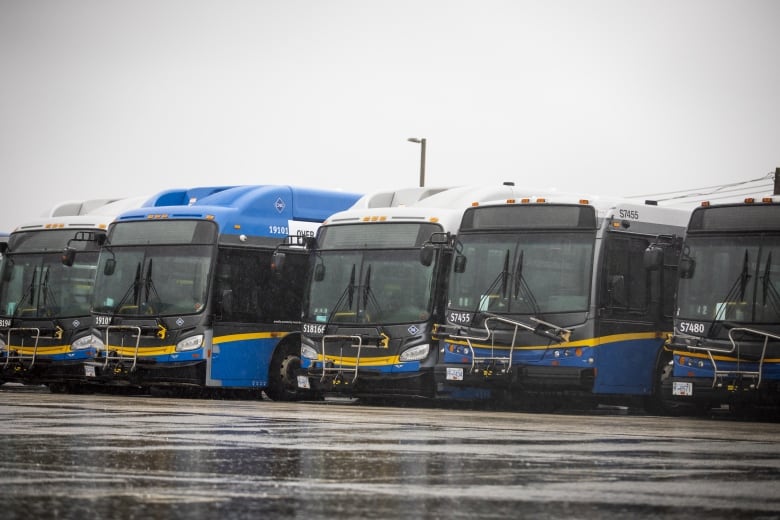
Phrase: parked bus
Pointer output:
(376, 289)
(727, 327)
(44, 305)
(553, 298)
(187, 296)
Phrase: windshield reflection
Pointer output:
(523, 274)
(370, 287)
(161, 280)
(40, 286)
(732, 279)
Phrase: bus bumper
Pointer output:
(368, 383)
(523, 377)
(145, 373)
(733, 391)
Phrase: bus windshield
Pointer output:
(733, 278)
(528, 273)
(153, 280)
(370, 286)
(38, 285)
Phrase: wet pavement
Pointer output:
(90, 456)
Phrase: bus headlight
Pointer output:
(308, 352)
(90, 341)
(191, 343)
(415, 353)
(2, 345)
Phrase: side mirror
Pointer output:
(110, 267)
(686, 267)
(277, 261)
(426, 255)
(653, 258)
(460, 264)
(319, 272)
(68, 256)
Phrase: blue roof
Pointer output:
(261, 210)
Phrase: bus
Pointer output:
(554, 299)
(203, 297)
(44, 305)
(376, 289)
(726, 341)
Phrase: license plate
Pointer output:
(89, 370)
(682, 389)
(454, 374)
(303, 382)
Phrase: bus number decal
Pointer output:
(630, 214)
(279, 230)
(102, 320)
(691, 327)
(462, 318)
(5, 323)
(311, 328)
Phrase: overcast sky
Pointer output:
(108, 98)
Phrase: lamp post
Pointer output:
(421, 142)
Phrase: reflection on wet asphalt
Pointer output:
(89, 456)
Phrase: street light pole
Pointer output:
(421, 142)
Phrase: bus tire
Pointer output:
(282, 382)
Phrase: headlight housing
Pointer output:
(415, 353)
(308, 352)
(2, 345)
(90, 341)
(191, 343)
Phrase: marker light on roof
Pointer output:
(749, 200)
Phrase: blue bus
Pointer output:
(376, 290)
(552, 298)
(44, 305)
(195, 295)
(727, 327)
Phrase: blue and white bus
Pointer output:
(727, 327)
(44, 305)
(377, 288)
(552, 297)
(188, 295)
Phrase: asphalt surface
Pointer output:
(103, 456)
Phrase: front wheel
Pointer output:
(282, 381)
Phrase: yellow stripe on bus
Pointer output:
(164, 350)
(590, 342)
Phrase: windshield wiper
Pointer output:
(484, 299)
(770, 291)
(47, 293)
(521, 287)
(134, 291)
(347, 294)
(737, 288)
(368, 294)
(149, 288)
(28, 294)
